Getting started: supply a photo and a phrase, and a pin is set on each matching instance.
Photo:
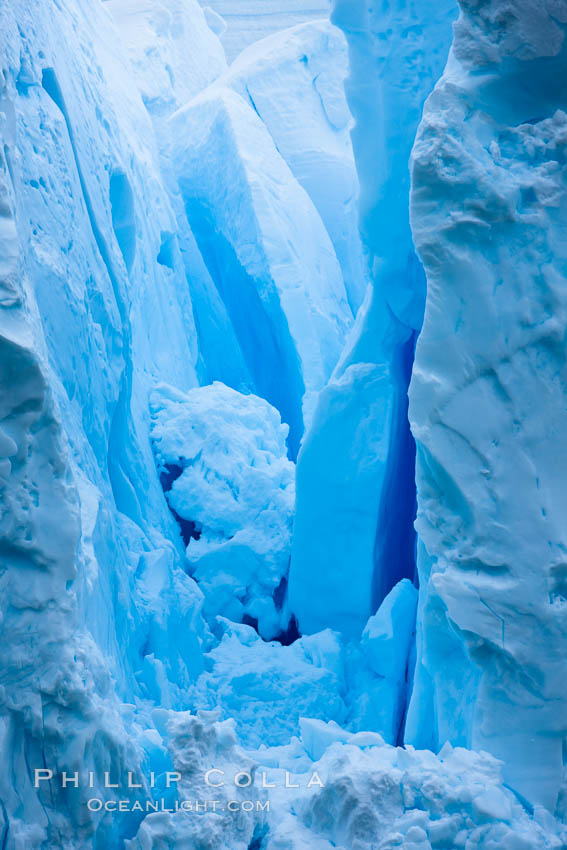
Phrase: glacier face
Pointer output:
(85, 532)
(180, 270)
(285, 353)
(487, 395)
(295, 81)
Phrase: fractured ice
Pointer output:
(204, 278)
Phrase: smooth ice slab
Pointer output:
(266, 250)
(334, 540)
(294, 79)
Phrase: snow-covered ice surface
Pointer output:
(180, 269)
(377, 796)
(488, 396)
(173, 51)
(331, 789)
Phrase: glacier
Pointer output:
(219, 258)
(487, 407)
(295, 80)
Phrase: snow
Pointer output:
(156, 34)
(376, 795)
(194, 744)
(487, 405)
(331, 788)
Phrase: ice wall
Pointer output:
(489, 199)
(91, 563)
(105, 295)
(173, 55)
(271, 307)
(355, 475)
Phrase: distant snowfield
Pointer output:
(255, 19)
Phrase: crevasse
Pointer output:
(356, 486)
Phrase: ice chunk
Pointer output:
(318, 735)
(492, 804)
(387, 635)
(378, 668)
(197, 744)
(269, 687)
(222, 456)
(335, 525)
(388, 797)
